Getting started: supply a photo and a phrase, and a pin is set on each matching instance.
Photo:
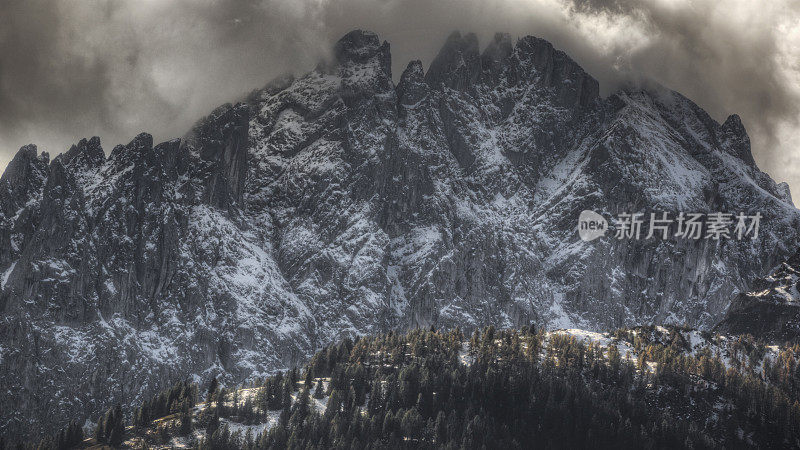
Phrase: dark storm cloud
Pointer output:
(725, 57)
(72, 68)
(38, 82)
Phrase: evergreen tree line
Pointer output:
(111, 427)
(508, 388)
(179, 399)
(66, 438)
(414, 391)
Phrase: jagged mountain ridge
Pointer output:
(339, 203)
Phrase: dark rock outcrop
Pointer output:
(771, 309)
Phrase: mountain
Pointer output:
(339, 203)
(646, 387)
(771, 309)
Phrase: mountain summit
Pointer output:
(336, 204)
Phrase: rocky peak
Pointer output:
(533, 61)
(24, 176)
(24, 155)
(537, 61)
(84, 154)
(785, 192)
(736, 140)
(734, 124)
(496, 54)
(142, 143)
(124, 155)
(360, 46)
(458, 64)
(357, 45)
(412, 88)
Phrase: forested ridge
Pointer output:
(647, 387)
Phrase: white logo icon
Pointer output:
(591, 225)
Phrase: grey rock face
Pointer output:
(220, 142)
(337, 203)
(22, 181)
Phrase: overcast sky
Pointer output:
(113, 68)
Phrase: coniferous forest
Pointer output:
(490, 389)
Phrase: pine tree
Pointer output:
(213, 424)
(220, 400)
(76, 437)
(411, 424)
(117, 433)
(475, 341)
(614, 358)
(100, 430)
(301, 408)
(440, 431)
(286, 414)
(186, 420)
(164, 435)
(248, 439)
(286, 394)
(61, 441)
(488, 335)
(109, 425)
(319, 392)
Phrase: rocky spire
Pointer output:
(24, 175)
(412, 88)
(735, 139)
(124, 155)
(496, 54)
(221, 141)
(458, 64)
(359, 46)
(538, 62)
(84, 154)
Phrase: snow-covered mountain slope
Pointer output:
(338, 203)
